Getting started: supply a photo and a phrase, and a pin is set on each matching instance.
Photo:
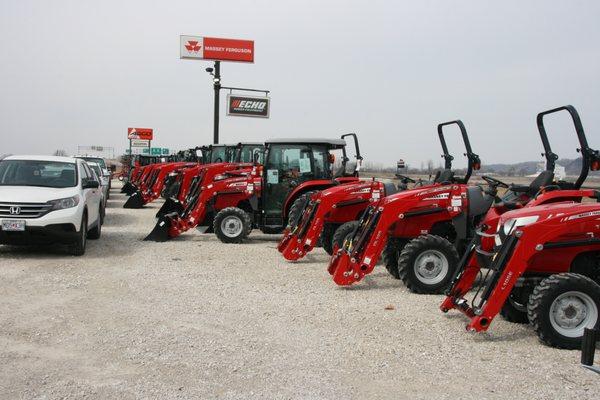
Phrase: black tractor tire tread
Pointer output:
(297, 207)
(344, 230)
(327, 237)
(511, 314)
(244, 217)
(390, 254)
(405, 266)
(537, 310)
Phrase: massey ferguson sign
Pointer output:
(218, 49)
(247, 106)
(139, 133)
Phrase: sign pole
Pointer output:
(217, 86)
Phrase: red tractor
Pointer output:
(325, 214)
(550, 251)
(514, 274)
(426, 262)
(185, 180)
(292, 168)
(403, 216)
(152, 188)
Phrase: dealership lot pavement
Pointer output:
(195, 318)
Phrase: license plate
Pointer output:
(13, 225)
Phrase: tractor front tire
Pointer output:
(561, 306)
(232, 225)
(327, 237)
(390, 255)
(515, 307)
(342, 233)
(427, 263)
(297, 208)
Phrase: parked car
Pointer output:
(97, 170)
(104, 181)
(102, 163)
(47, 200)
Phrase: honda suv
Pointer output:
(47, 200)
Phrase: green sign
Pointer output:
(165, 151)
(156, 151)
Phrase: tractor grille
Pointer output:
(24, 210)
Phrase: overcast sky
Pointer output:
(80, 72)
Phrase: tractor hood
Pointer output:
(426, 193)
(350, 189)
(568, 210)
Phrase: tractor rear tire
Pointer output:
(342, 233)
(327, 237)
(427, 263)
(558, 303)
(390, 255)
(232, 225)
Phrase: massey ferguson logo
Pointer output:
(15, 210)
(193, 46)
(248, 106)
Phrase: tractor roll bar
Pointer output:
(473, 159)
(358, 156)
(590, 157)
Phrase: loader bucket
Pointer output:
(170, 206)
(128, 188)
(160, 233)
(134, 201)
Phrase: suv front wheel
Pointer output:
(78, 248)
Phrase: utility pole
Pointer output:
(217, 86)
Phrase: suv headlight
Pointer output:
(67, 202)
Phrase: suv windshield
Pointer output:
(37, 173)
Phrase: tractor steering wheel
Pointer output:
(218, 160)
(405, 178)
(494, 182)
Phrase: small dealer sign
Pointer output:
(248, 106)
(218, 49)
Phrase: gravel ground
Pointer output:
(195, 318)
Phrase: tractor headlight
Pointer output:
(61, 204)
(514, 223)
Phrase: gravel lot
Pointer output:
(195, 318)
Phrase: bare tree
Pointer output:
(60, 153)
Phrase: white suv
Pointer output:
(45, 200)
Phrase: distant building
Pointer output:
(559, 171)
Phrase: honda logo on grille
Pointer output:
(15, 210)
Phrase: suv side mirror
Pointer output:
(90, 184)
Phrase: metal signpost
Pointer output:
(139, 142)
(217, 50)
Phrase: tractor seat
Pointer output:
(444, 176)
(545, 178)
(389, 188)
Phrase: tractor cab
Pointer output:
(296, 166)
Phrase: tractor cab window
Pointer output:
(218, 154)
(250, 153)
(289, 165)
(230, 154)
(337, 163)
